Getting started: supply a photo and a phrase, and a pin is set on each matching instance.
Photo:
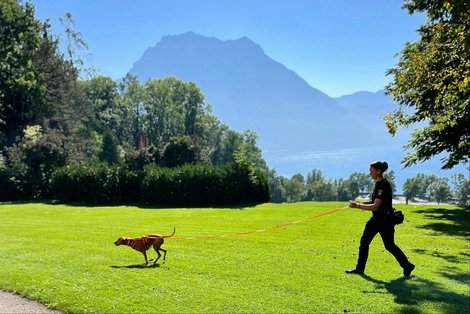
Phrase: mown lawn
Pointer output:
(64, 257)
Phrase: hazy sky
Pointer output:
(337, 46)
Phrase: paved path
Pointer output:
(11, 303)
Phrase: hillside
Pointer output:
(249, 90)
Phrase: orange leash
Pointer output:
(256, 231)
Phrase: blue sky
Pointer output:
(337, 46)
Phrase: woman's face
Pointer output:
(374, 173)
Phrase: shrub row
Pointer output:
(9, 187)
(96, 184)
(189, 185)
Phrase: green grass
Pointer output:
(64, 257)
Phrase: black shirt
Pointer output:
(382, 191)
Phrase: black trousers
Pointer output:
(387, 232)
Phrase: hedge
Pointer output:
(188, 185)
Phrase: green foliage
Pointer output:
(20, 85)
(31, 162)
(110, 149)
(411, 189)
(11, 187)
(198, 185)
(427, 187)
(137, 159)
(101, 104)
(179, 151)
(295, 188)
(360, 183)
(318, 188)
(96, 183)
(461, 189)
(431, 83)
(276, 187)
(344, 192)
(440, 190)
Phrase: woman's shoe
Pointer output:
(354, 271)
(407, 271)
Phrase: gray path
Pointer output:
(11, 303)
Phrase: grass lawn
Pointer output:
(64, 257)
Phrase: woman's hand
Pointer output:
(353, 204)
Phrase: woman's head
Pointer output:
(377, 168)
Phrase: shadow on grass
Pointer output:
(137, 266)
(451, 258)
(414, 291)
(452, 222)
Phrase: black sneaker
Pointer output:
(354, 271)
(407, 271)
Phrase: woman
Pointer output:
(380, 222)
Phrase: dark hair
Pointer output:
(379, 165)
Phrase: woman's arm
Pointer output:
(372, 207)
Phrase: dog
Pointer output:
(145, 242)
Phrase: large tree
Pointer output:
(20, 84)
(431, 84)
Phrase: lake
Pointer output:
(341, 163)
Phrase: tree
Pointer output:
(34, 158)
(20, 84)
(360, 183)
(250, 152)
(320, 189)
(179, 151)
(314, 176)
(324, 191)
(110, 148)
(461, 189)
(295, 188)
(343, 189)
(410, 189)
(440, 190)
(226, 144)
(431, 84)
(276, 186)
(423, 181)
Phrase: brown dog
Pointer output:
(144, 243)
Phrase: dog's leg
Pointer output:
(164, 253)
(159, 255)
(145, 256)
(156, 246)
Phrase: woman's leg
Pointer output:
(387, 232)
(368, 235)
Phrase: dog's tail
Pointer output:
(169, 236)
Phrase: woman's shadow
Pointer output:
(413, 291)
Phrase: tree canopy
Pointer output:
(431, 84)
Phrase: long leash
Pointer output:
(257, 231)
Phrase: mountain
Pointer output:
(249, 90)
(369, 108)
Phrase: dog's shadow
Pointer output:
(138, 266)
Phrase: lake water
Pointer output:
(341, 163)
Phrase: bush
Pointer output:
(10, 188)
(202, 185)
(96, 184)
(189, 185)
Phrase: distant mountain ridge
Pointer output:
(249, 90)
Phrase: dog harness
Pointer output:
(133, 242)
